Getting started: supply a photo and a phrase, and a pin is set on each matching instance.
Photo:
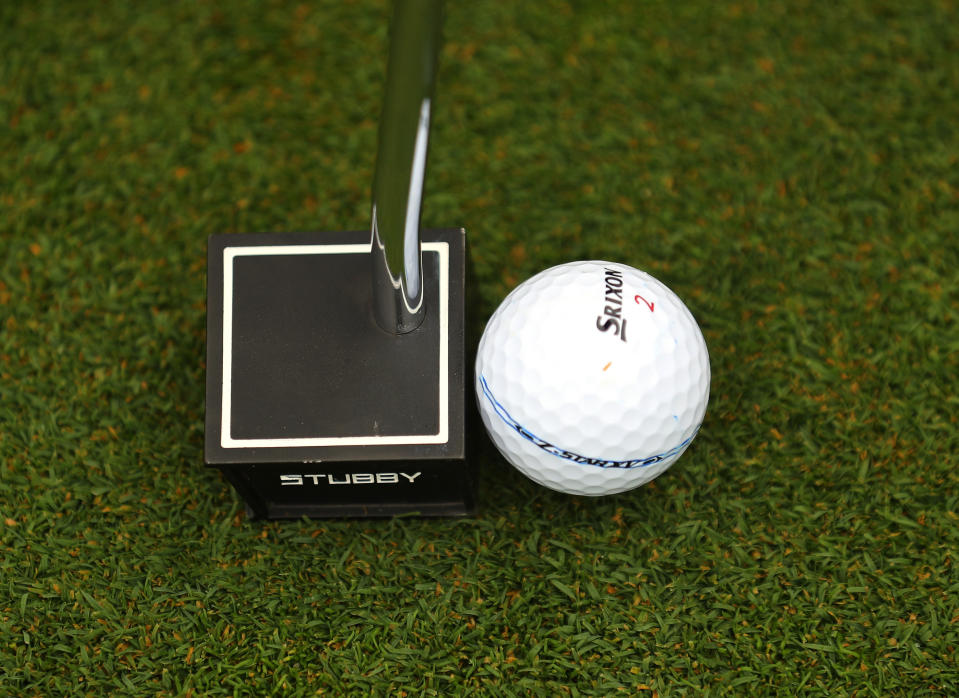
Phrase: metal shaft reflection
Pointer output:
(401, 164)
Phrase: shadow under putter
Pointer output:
(336, 368)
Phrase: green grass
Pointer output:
(791, 169)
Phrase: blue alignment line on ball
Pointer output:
(554, 450)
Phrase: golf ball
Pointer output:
(592, 378)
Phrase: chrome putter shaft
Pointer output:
(401, 165)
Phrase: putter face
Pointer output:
(312, 408)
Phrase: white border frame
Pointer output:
(227, 441)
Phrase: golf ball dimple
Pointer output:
(592, 378)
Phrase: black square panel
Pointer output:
(299, 373)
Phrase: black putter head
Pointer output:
(336, 362)
(312, 408)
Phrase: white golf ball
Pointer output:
(592, 378)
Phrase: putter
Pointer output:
(336, 368)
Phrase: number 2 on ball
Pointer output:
(650, 305)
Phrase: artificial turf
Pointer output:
(791, 169)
